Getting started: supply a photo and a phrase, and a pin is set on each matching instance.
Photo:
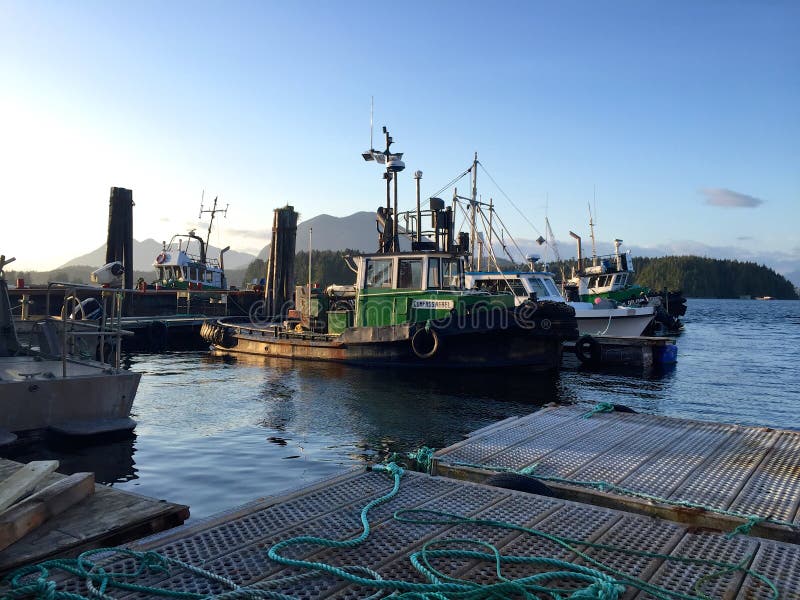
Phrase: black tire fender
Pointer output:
(520, 483)
(587, 349)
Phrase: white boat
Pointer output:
(45, 387)
(597, 319)
(179, 268)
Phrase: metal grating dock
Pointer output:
(741, 471)
(234, 545)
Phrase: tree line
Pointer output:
(327, 267)
(699, 277)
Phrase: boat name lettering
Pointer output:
(435, 304)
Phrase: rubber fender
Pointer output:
(587, 349)
(425, 343)
(520, 483)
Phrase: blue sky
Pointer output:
(683, 118)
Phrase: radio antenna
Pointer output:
(371, 113)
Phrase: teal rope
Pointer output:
(600, 583)
(600, 407)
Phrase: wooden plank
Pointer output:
(732, 469)
(27, 515)
(24, 480)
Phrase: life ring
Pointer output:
(587, 349)
(420, 341)
(161, 257)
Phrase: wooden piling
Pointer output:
(280, 266)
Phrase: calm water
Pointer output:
(216, 432)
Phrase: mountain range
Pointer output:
(145, 252)
(358, 232)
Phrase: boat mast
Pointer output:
(212, 211)
(591, 233)
(473, 210)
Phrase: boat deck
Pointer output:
(234, 545)
(24, 368)
(673, 464)
(107, 517)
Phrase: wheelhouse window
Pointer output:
(433, 274)
(538, 287)
(379, 273)
(551, 287)
(409, 274)
(452, 275)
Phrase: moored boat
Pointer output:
(611, 277)
(179, 266)
(599, 318)
(46, 387)
(408, 308)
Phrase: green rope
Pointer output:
(423, 458)
(600, 407)
(598, 581)
(606, 486)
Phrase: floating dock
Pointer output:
(701, 473)
(234, 545)
(641, 352)
(107, 517)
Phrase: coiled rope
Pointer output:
(599, 581)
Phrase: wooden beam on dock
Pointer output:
(24, 480)
(106, 518)
(27, 515)
(695, 472)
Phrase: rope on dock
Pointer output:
(599, 581)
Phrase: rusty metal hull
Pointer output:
(478, 345)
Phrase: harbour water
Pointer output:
(215, 432)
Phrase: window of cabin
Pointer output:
(538, 287)
(551, 287)
(409, 274)
(433, 274)
(452, 276)
(379, 273)
(515, 286)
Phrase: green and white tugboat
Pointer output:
(407, 308)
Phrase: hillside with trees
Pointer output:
(327, 267)
(700, 277)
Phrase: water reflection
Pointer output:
(110, 461)
(216, 431)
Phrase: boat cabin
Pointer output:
(524, 285)
(178, 268)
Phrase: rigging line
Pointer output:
(492, 230)
(455, 180)
(513, 241)
(491, 250)
(536, 229)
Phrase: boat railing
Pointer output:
(107, 329)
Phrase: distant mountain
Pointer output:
(356, 232)
(144, 253)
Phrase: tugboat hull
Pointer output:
(491, 341)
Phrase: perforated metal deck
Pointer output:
(741, 470)
(234, 545)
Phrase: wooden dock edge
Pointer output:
(694, 517)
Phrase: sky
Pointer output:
(679, 122)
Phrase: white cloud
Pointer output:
(729, 199)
